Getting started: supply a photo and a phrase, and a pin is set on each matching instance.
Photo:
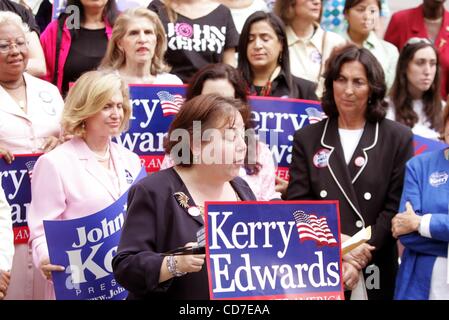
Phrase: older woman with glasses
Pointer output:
(30, 111)
(415, 98)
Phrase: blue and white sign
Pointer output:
(276, 121)
(274, 250)
(16, 182)
(154, 108)
(85, 247)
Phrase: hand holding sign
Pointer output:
(190, 262)
(405, 222)
(46, 268)
(8, 156)
(4, 283)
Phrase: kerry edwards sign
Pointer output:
(154, 108)
(277, 119)
(85, 247)
(16, 184)
(274, 250)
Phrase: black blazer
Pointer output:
(368, 188)
(156, 223)
(279, 88)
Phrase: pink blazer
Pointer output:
(68, 183)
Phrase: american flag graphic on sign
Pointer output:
(310, 227)
(170, 103)
(30, 167)
(315, 115)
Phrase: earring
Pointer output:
(83, 125)
(280, 58)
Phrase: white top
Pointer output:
(22, 132)
(241, 14)
(422, 127)
(349, 140)
(308, 56)
(439, 286)
(6, 234)
(122, 5)
(167, 78)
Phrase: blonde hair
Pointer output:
(8, 17)
(88, 96)
(115, 58)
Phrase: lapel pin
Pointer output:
(183, 201)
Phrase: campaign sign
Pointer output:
(154, 107)
(85, 247)
(274, 250)
(16, 183)
(276, 121)
(422, 144)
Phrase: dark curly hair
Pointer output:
(376, 109)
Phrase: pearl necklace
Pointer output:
(104, 157)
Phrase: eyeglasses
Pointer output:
(416, 40)
(6, 46)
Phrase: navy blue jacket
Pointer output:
(157, 223)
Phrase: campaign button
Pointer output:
(321, 158)
(359, 161)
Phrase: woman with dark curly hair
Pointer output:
(259, 169)
(358, 157)
(415, 99)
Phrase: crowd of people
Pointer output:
(64, 93)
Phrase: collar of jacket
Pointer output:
(346, 175)
(279, 82)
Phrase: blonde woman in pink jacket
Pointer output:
(87, 173)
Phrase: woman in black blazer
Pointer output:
(357, 157)
(164, 209)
